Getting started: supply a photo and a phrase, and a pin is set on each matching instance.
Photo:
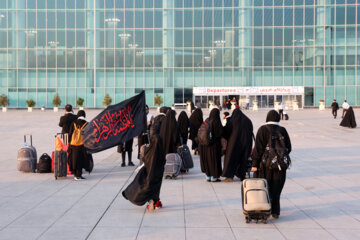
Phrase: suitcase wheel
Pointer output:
(248, 220)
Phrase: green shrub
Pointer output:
(56, 100)
(30, 103)
(4, 101)
(158, 100)
(80, 102)
(107, 100)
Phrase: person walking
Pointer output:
(349, 119)
(345, 107)
(169, 133)
(264, 165)
(196, 119)
(78, 156)
(210, 155)
(124, 148)
(67, 120)
(144, 137)
(238, 132)
(334, 108)
(281, 110)
(183, 122)
(147, 183)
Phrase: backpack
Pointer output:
(76, 138)
(204, 135)
(44, 165)
(276, 155)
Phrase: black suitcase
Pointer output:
(286, 117)
(44, 165)
(187, 161)
(60, 159)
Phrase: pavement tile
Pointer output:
(151, 233)
(114, 233)
(205, 233)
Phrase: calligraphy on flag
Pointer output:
(116, 124)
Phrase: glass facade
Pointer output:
(87, 48)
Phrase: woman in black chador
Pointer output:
(210, 156)
(169, 133)
(238, 132)
(184, 123)
(78, 156)
(275, 177)
(195, 120)
(147, 183)
(349, 119)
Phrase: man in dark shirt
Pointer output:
(335, 108)
(67, 119)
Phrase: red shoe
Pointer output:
(158, 204)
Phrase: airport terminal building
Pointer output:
(200, 50)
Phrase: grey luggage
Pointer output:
(172, 165)
(187, 161)
(255, 199)
(27, 156)
(60, 158)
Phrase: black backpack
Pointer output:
(44, 165)
(276, 155)
(204, 135)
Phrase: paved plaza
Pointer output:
(321, 197)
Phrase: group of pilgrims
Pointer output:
(233, 141)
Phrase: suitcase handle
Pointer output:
(30, 138)
(64, 137)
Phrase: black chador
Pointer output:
(155, 128)
(169, 133)
(238, 132)
(195, 120)
(210, 156)
(349, 119)
(147, 183)
(183, 122)
(275, 178)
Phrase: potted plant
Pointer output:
(158, 100)
(30, 103)
(56, 102)
(4, 101)
(107, 100)
(80, 103)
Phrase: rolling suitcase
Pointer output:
(27, 157)
(255, 199)
(187, 161)
(172, 165)
(60, 159)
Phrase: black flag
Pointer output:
(117, 123)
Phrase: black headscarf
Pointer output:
(183, 121)
(169, 133)
(215, 123)
(349, 119)
(196, 119)
(273, 116)
(239, 130)
(147, 183)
